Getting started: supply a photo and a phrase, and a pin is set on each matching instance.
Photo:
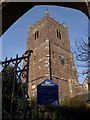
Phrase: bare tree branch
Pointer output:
(82, 56)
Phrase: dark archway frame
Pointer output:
(12, 11)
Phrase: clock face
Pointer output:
(61, 59)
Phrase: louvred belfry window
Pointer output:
(36, 34)
(58, 34)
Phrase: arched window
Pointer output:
(58, 34)
(36, 34)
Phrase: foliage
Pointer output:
(75, 102)
(7, 86)
(72, 109)
(11, 89)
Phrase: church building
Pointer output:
(51, 58)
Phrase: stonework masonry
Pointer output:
(52, 57)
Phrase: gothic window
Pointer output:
(36, 34)
(61, 59)
(58, 34)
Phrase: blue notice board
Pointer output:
(47, 93)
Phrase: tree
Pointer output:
(82, 56)
(7, 83)
(11, 90)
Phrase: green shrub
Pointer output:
(74, 102)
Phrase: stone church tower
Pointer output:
(51, 57)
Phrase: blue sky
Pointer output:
(14, 39)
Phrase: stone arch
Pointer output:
(12, 11)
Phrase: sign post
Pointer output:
(47, 93)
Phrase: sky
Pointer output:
(13, 41)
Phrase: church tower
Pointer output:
(51, 57)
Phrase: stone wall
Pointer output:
(50, 41)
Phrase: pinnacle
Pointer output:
(46, 13)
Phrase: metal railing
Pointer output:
(15, 74)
